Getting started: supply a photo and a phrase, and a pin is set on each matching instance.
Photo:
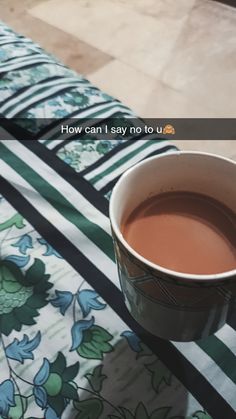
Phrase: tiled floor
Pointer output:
(163, 58)
(185, 48)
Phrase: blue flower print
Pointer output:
(7, 398)
(51, 414)
(20, 261)
(24, 243)
(62, 300)
(78, 330)
(88, 300)
(132, 339)
(49, 249)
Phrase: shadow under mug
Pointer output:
(173, 305)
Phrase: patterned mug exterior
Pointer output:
(172, 305)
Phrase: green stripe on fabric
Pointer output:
(91, 230)
(120, 162)
(47, 141)
(221, 354)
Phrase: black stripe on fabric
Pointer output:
(107, 156)
(20, 60)
(208, 397)
(231, 319)
(69, 174)
(32, 54)
(166, 148)
(109, 186)
(13, 35)
(27, 66)
(25, 88)
(15, 41)
(15, 130)
(2, 75)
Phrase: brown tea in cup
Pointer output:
(185, 232)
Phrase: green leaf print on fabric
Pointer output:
(21, 296)
(80, 99)
(160, 374)
(16, 220)
(54, 384)
(126, 414)
(96, 378)
(17, 411)
(141, 412)
(103, 147)
(95, 343)
(201, 415)
(89, 409)
(162, 413)
(82, 153)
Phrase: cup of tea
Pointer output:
(173, 220)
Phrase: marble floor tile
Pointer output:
(167, 102)
(137, 38)
(16, 6)
(144, 94)
(204, 60)
(171, 9)
(125, 83)
(103, 24)
(222, 148)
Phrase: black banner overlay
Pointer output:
(121, 127)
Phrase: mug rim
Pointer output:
(178, 275)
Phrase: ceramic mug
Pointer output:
(173, 305)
